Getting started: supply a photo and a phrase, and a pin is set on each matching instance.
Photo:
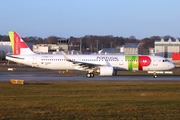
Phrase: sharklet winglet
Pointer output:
(65, 56)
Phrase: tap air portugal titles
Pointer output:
(104, 65)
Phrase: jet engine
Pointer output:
(106, 71)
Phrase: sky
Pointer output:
(77, 18)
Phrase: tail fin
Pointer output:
(19, 47)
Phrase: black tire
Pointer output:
(92, 74)
(88, 75)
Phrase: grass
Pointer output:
(90, 100)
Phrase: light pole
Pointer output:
(80, 44)
(97, 45)
(91, 48)
(111, 44)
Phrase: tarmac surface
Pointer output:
(40, 75)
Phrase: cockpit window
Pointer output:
(165, 60)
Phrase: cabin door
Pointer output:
(155, 61)
(34, 60)
(121, 61)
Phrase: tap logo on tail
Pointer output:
(17, 43)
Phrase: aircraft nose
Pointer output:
(171, 65)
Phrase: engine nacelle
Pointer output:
(106, 71)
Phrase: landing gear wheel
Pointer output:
(89, 75)
(92, 74)
(155, 76)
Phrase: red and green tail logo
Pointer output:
(16, 42)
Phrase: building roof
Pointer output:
(110, 50)
(167, 40)
(131, 45)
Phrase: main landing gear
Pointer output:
(89, 75)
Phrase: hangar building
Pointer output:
(165, 47)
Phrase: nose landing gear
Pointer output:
(155, 76)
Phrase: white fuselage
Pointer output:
(118, 62)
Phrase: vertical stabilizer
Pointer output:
(19, 47)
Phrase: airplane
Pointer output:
(104, 65)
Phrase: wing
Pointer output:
(81, 65)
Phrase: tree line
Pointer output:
(91, 43)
